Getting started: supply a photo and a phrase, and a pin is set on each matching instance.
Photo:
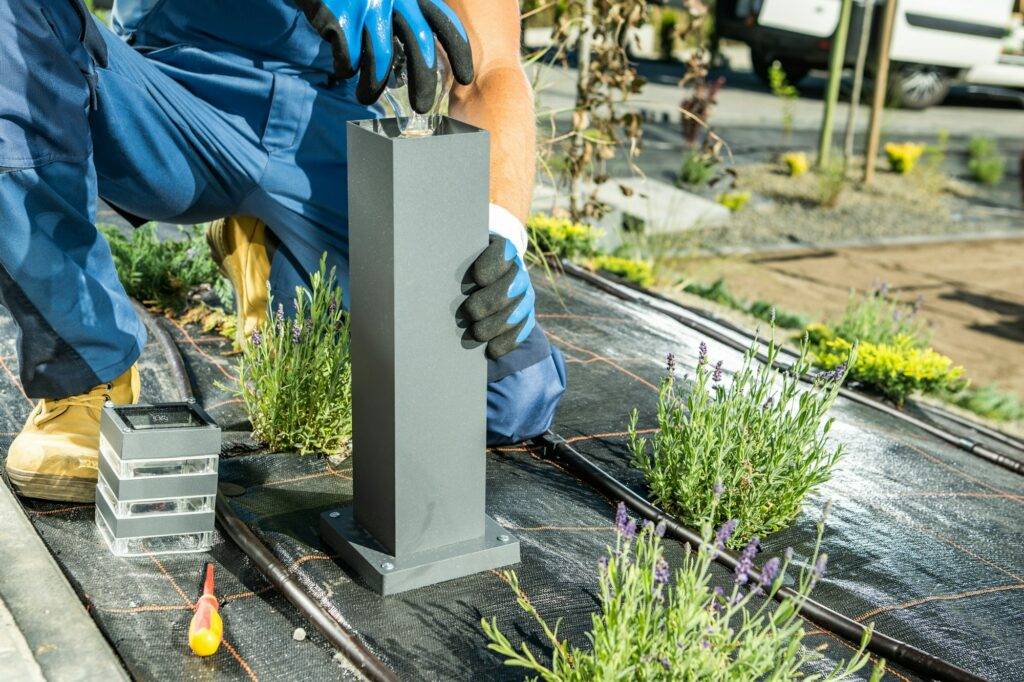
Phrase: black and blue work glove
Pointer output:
(361, 33)
(501, 311)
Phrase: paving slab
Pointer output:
(45, 632)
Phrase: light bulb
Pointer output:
(396, 97)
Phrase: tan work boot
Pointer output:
(55, 455)
(239, 247)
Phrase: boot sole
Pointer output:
(47, 487)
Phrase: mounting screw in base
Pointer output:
(334, 514)
(387, 566)
(503, 538)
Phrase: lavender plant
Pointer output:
(760, 436)
(650, 627)
(294, 374)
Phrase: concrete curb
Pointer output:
(44, 617)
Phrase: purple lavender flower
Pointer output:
(788, 554)
(818, 570)
(630, 530)
(621, 518)
(256, 339)
(702, 353)
(659, 530)
(897, 314)
(769, 572)
(716, 600)
(725, 532)
(718, 489)
(882, 289)
(661, 572)
(918, 304)
(665, 663)
(705, 644)
(602, 564)
(279, 317)
(746, 562)
(332, 307)
(296, 333)
(670, 364)
(771, 317)
(717, 375)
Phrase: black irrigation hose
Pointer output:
(893, 650)
(649, 301)
(269, 565)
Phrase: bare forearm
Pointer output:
(501, 102)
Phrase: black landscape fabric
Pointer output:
(923, 539)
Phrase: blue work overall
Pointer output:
(194, 110)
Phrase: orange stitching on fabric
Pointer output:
(241, 661)
(15, 381)
(958, 472)
(937, 597)
(610, 434)
(604, 359)
(202, 352)
(143, 609)
(170, 578)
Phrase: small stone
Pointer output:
(299, 634)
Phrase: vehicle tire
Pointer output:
(917, 86)
(796, 69)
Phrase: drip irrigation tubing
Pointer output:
(272, 568)
(643, 298)
(893, 650)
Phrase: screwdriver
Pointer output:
(206, 629)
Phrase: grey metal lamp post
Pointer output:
(417, 220)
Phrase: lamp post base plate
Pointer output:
(388, 574)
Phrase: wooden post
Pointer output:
(858, 81)
(835, 75)
(881, 84)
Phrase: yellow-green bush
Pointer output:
(894, 369)
(638, 272)
(562, 237)
(734, 201)
(903, 156)
(797, 163)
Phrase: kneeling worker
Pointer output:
(192, 110)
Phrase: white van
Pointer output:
(934, 43)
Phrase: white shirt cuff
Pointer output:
(504, 224)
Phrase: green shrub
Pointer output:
(761, 437)
(295, 375)
(796, 163)
(697, 170)
(986, 164)
(638, 272)
(875, 319)
(896, 369)
(652, 627)
(561, 237)
(718, 292)
(831, 183)
(163, 273)
(990, 402)
(903, 156)
(734, 201)
(786, 92)
(763, 310)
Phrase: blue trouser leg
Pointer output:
(77, 327)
